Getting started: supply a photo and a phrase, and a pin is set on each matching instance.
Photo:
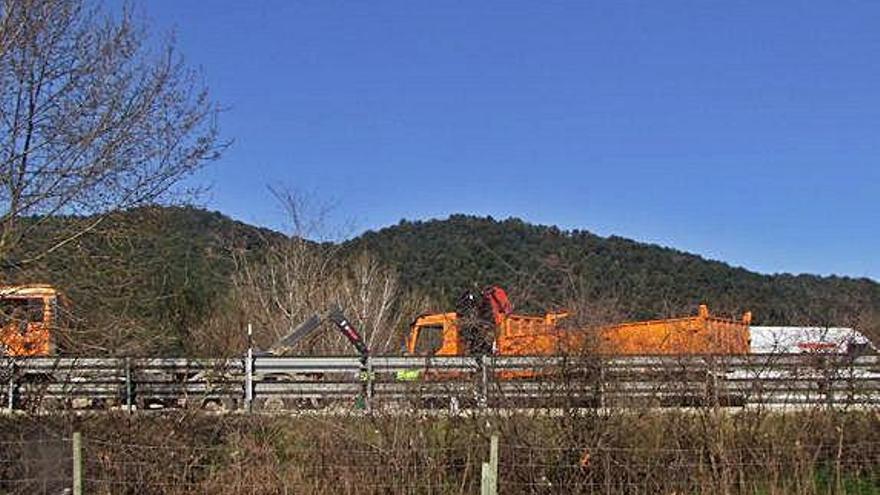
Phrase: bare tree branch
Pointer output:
(91, 119)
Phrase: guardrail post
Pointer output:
(77, 463)
(850, 388)
(249, 371)
(368, 401)
(11, 388)
(484, 382)
(827, 386)
(713, 384)
(129, 386)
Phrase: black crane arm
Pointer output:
(339, 320)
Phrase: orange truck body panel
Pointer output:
(701, 334)
(522, 335)
(28, 320)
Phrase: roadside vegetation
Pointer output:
(696, 452)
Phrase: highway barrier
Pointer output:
(294, 383)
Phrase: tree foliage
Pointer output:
(543, 267)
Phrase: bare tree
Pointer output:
(91, 119)
(288, 278)
(375, 301)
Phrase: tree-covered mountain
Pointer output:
(138, 281)
(550, 266)
(151, 277)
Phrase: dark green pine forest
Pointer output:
(644, 280)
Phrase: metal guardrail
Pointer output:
(308, 382)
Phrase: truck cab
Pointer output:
(28, 314)
(434, 335)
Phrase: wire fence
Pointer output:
(595, 469)
(254, 465)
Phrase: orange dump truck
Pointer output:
(522, 335)
(440, 335)
(27, 318)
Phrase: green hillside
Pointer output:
(143, 281)
(549, 266)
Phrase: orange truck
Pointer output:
(27, 318)
(509, 334)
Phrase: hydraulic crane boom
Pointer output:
(338, 319)
(352, 335)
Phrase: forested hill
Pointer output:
(549, 266)
(139, 281)
(148, 281)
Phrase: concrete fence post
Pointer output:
(485, 479)
(77, 463)
(489, 473)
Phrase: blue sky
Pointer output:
(743, 131)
